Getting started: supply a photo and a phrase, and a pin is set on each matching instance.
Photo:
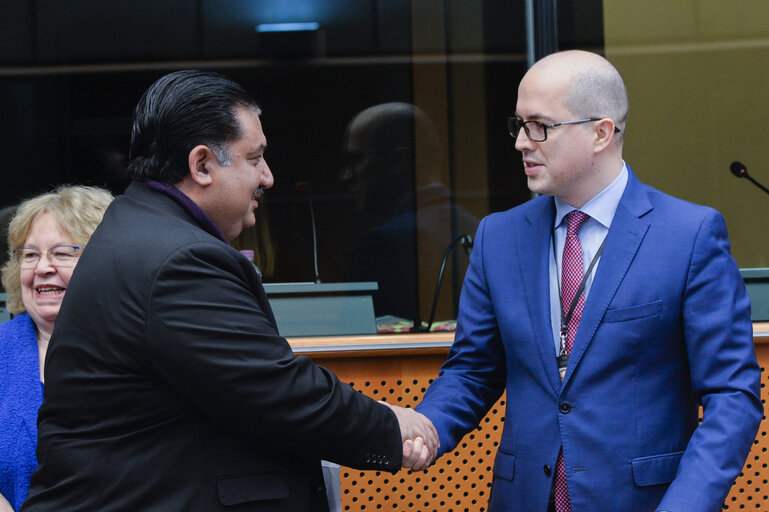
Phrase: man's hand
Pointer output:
(4, 505)
(420, 439)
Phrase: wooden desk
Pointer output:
(398, 368)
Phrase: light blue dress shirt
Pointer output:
(601, 209)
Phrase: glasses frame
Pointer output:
(18, 253)
(515, 123)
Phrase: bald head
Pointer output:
(583, 99)
(594, 87)
(390, 147)
(392, 125)
(398, 127)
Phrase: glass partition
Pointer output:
(389, 114)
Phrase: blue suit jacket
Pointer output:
(666, 327)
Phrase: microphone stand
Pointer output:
(467, 243)
(746, 175)
(314, 236)
(303, 186)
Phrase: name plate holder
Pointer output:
(757, 284)
(323, 309)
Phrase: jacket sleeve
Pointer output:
(211, 341)
(725, 376)
(473, 377)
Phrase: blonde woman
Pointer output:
(45, 240)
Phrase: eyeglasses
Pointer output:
(537, 131)
(58, 256)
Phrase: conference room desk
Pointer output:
(398, 368)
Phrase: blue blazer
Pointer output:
(666, 328)
(21, 394)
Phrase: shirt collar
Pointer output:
(602, 206)
(195, 211)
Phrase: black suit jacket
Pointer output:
(168, 386)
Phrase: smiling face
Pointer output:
(232, 198)
(43, 286)
(562, 165)
(576, 161)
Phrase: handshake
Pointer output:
(420, 439)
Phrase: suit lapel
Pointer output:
(533, 251)
(626, 232)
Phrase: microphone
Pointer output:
(304, 186)
(467, 245)
(739, 170)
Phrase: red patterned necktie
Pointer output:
(571, 277)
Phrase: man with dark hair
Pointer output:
(167, 384)
(609, 312)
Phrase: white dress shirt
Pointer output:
(601, 209)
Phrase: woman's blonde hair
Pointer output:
(77, 211)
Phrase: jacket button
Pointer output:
(320, 489)
(368, 458)
(548, 471)
(564, 407)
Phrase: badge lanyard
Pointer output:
(563, 357)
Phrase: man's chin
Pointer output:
(534, 184)
(249, 221)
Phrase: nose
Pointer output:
(523, 142)
(347, 174)
(267, 180)
(46, 267)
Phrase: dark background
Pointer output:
(71, 72)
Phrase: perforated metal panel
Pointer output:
(461, 481)
(751, 489)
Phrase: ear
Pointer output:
(200, 159)
(402, 161)
(604, 134)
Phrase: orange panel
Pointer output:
(751, 489)
(384, 369)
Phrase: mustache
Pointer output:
(259, 192)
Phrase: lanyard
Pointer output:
(563, 357)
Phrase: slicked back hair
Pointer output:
(178, 112)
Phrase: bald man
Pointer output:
(609, 312)
(402, 202)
